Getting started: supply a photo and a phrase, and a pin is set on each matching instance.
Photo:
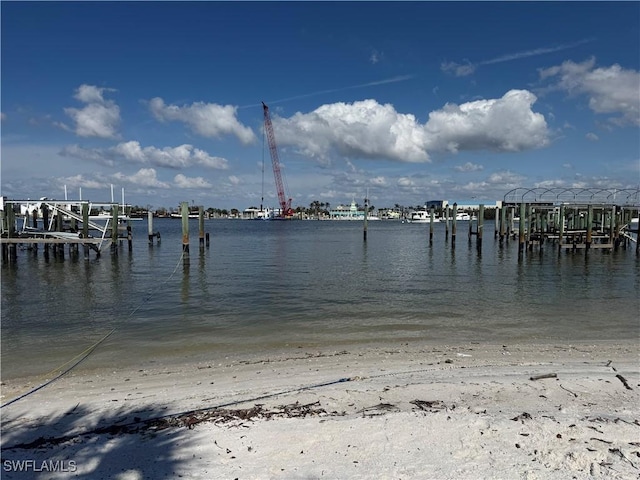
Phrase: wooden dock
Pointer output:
(62, 223)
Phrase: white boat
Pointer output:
(464, 217)
(422, 216)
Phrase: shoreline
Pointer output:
(402, 411)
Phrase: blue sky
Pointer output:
(409, 101)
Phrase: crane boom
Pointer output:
(285, 204)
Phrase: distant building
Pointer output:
(342, 212)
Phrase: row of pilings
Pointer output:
(54, 225)
(537, 225)
(564, 227)
(568, 226)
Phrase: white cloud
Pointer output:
(592, 136)
(405, 182)
(99, 118)
(145, 177)
(550, 184)
(181, 156)
(206, 119)
(458, 69)
(504, 124)
(234, 180)
(95, 155)
(379, 181)
(367, 129)
(506, 179)
(611, 90)
(375, 56)
(186, 182)
(3, 116)
(468, 167)
(82, 182)
(467, 68)
(360, 129)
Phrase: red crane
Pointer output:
(285, 204)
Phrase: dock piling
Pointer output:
(185, 227)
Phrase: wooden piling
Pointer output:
(453, 224)
(431, 220)
(185, 227)
(446, 223)
(366, 211)
(150, 226)
(114, 229)
(589, 226)
(480, 225)
(503, 223)
(521, 225)
(85, 228)
(201, 227)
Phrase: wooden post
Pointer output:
(637, 233)
(446, 223)
(85, 229)
(431, 219)
(561, 228)
(366, 211)
(530, 226)
(521, 237)
(587, 242)
(150, 226)
(114, 229)
(503, 223)
(480, 227)
(201, 226)
(453, 224)
(185, 227)
(11, 231)
(59, 225)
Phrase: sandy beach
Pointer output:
(395, 411)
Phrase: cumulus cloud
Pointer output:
(504, 124)
(611, 90)
(405, 182)
(181, 156)
(360, 129)
(367, 129)
(468, 167)
(145, 177)
(98, 118)
(171, 157)
(82, 182)
(206, 119)
(185, 182)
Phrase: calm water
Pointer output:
(274, 286)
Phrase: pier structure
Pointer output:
(54, 224)
(570, 218)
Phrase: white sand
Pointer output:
(406, 411)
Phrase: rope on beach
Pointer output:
(82, 356)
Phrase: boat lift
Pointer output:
(63, 222)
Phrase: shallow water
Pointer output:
(273, 286)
